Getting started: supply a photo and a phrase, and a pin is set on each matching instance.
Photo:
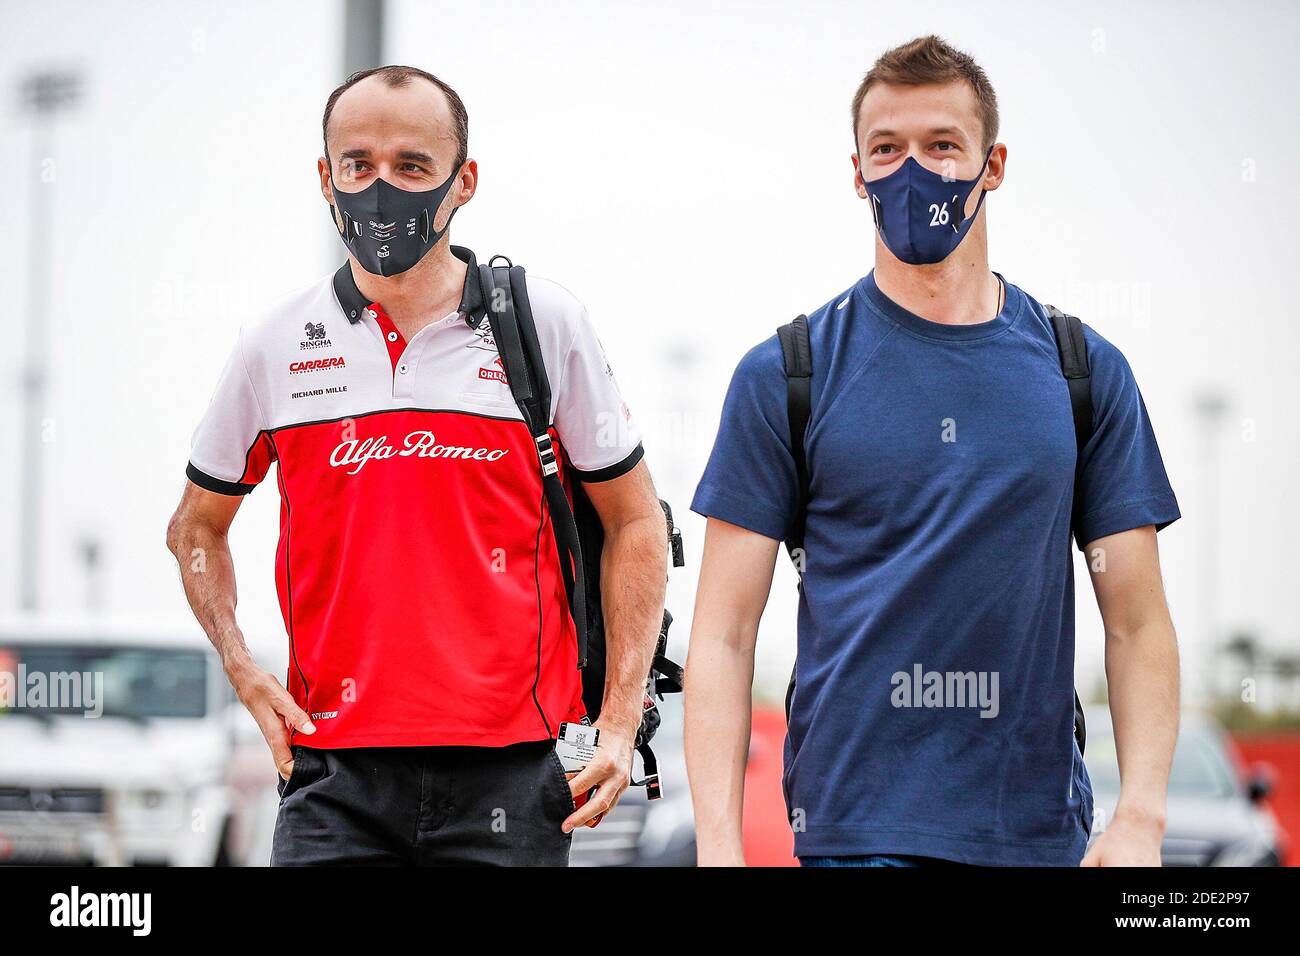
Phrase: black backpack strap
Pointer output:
(653, 788)
(528, 338)
(505, 297)
(796, 354)
(666, 677)
(503, 318)
(1073, 351)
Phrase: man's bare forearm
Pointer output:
(208, 577)
(719, 712)
(634, 571)
(197, 538)
(735, 578)
(1142, 674)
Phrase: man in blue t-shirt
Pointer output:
(933, 714)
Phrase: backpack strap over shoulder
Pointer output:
(505, 297)
(796, 354)
(577, 525)
(1072, 348)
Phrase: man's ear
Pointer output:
(859, 185)
(467, 184)
(326, 187)
(997, 167)
(461, 193)
(327, 190)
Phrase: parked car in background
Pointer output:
(136, 771)
(1216, 812)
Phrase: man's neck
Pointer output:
(422, 294)
(960, 290)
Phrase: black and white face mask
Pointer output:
(388, 229)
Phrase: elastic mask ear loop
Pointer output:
(426, 217)
(871, 197)
(351, 228)
(983, 192)
(348, 227)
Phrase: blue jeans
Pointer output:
(871, 859)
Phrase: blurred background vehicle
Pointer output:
(134, 766)
(1217, 810)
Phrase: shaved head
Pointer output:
(403, 101)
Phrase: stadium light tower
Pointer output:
(363, 35)
(44, 95)
(1211, 408)
(362, 49)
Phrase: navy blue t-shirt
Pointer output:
(933, 713)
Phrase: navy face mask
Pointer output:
(918, 213)
(388, 229)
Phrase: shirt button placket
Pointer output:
(396, 348)
(403, 379)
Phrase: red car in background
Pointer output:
(767, 836)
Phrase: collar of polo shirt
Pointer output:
(354, 303)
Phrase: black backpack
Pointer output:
(579, 535)
(796, 352)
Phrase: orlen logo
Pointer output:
(355, 453)
(316, 365)
(494, 374)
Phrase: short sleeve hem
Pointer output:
(610, 472)
(209, 483)
(752, 515)
(1159, 510)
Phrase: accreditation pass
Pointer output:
(576, 745)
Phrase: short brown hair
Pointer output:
(928, 60)
(399, 76)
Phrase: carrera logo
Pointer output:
(316, 365)
(354, 454)
(494, 374)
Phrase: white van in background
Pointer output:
(124, 745)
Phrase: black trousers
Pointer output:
(424, 806)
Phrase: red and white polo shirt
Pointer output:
(417, 569)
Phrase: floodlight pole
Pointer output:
(44, 95)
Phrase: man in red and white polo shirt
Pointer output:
(432, 653)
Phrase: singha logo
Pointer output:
(315, 336)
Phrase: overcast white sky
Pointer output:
(684, 168)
